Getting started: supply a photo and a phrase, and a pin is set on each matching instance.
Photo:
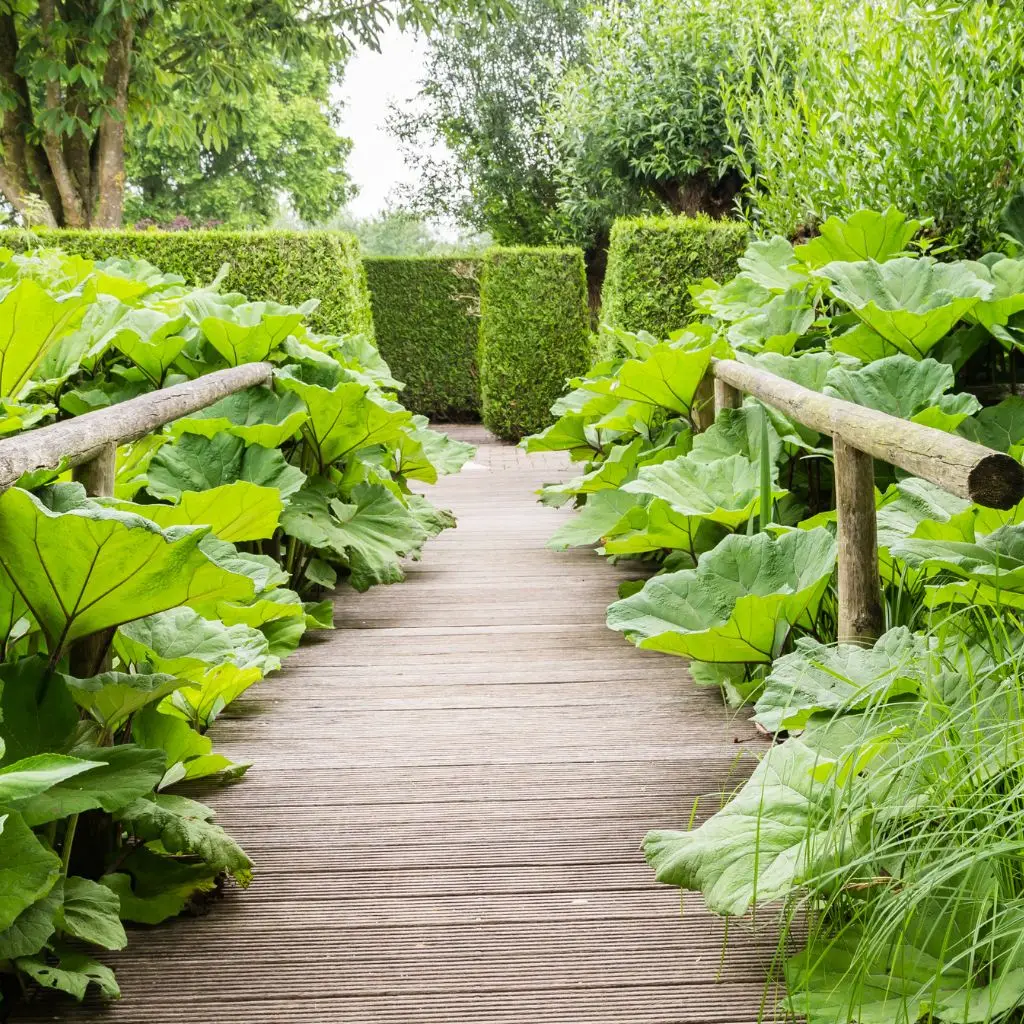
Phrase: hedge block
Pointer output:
(652, 261)
(285, 266)
(426, 312)
(534, 334)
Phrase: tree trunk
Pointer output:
(22, 160)
(73, 182)
(110, 163)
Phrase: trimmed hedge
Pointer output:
(286, 266)
(426, 312)
(652, 261)
(534, 334)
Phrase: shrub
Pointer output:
(828, 130)
(534, 334)
(652, 261)
(286, 266)
(426, 311)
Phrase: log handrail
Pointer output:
(88, 445)
(78, 442)
(859, 436)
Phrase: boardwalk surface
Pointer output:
(446, 806)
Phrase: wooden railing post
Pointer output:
(91, 654)
(860, 595)
(726, 396)
(703, 409)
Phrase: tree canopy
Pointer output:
(78, 76)
(481, 107)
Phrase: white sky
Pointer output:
(372, 81)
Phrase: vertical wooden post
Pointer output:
(91, 654)
(726, 396)
(703, 408)
(860, 593)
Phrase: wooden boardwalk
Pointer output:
(446, 806)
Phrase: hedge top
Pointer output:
(286, 266)
(652, 261)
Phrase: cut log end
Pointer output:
(997, 481)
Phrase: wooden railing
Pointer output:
(859, 436)
(88, 445)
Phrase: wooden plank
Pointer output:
(447, 802)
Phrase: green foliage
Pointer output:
(911, 104)
(534, 334)
(284, 146)
(652, 262)
(885, 819)
(482, 105)
(638, 124)
(427, 322)
(177, 77)
(190, 579)
(285, 266)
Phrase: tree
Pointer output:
(475, 133)
(400, 232)
(286, 145)
(639, 124)
(77, 75)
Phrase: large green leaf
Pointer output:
(772, 265)
(1007, 296)
(184, 826)
(912, 303)
(127, 773)
(197, 463)
(851, 976)
(28, 869)
(89, 568)
(32, 321)
(777, 326)
(251, 331)
(151, 339)
(597, 519)
(738, 605)
(843, 678)
(668, 377)
(90, 913)
(31, 776)
(257, 415)
(991, 567)
(904, 387)
(345, 418)
(736, 432)
(33, 926)
(371, 534)
(184, 644)
(762, 843)
(864, 235)
(38, 712)
(73, 973)
(999, 426)
(234, 512)
(188, 754)
(113, 697)
(725, 492)
(153, 888)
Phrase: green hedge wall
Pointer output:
(534, 333)
(426, 312)
(286, 266)
(652, 261)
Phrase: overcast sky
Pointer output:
(372, 81)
